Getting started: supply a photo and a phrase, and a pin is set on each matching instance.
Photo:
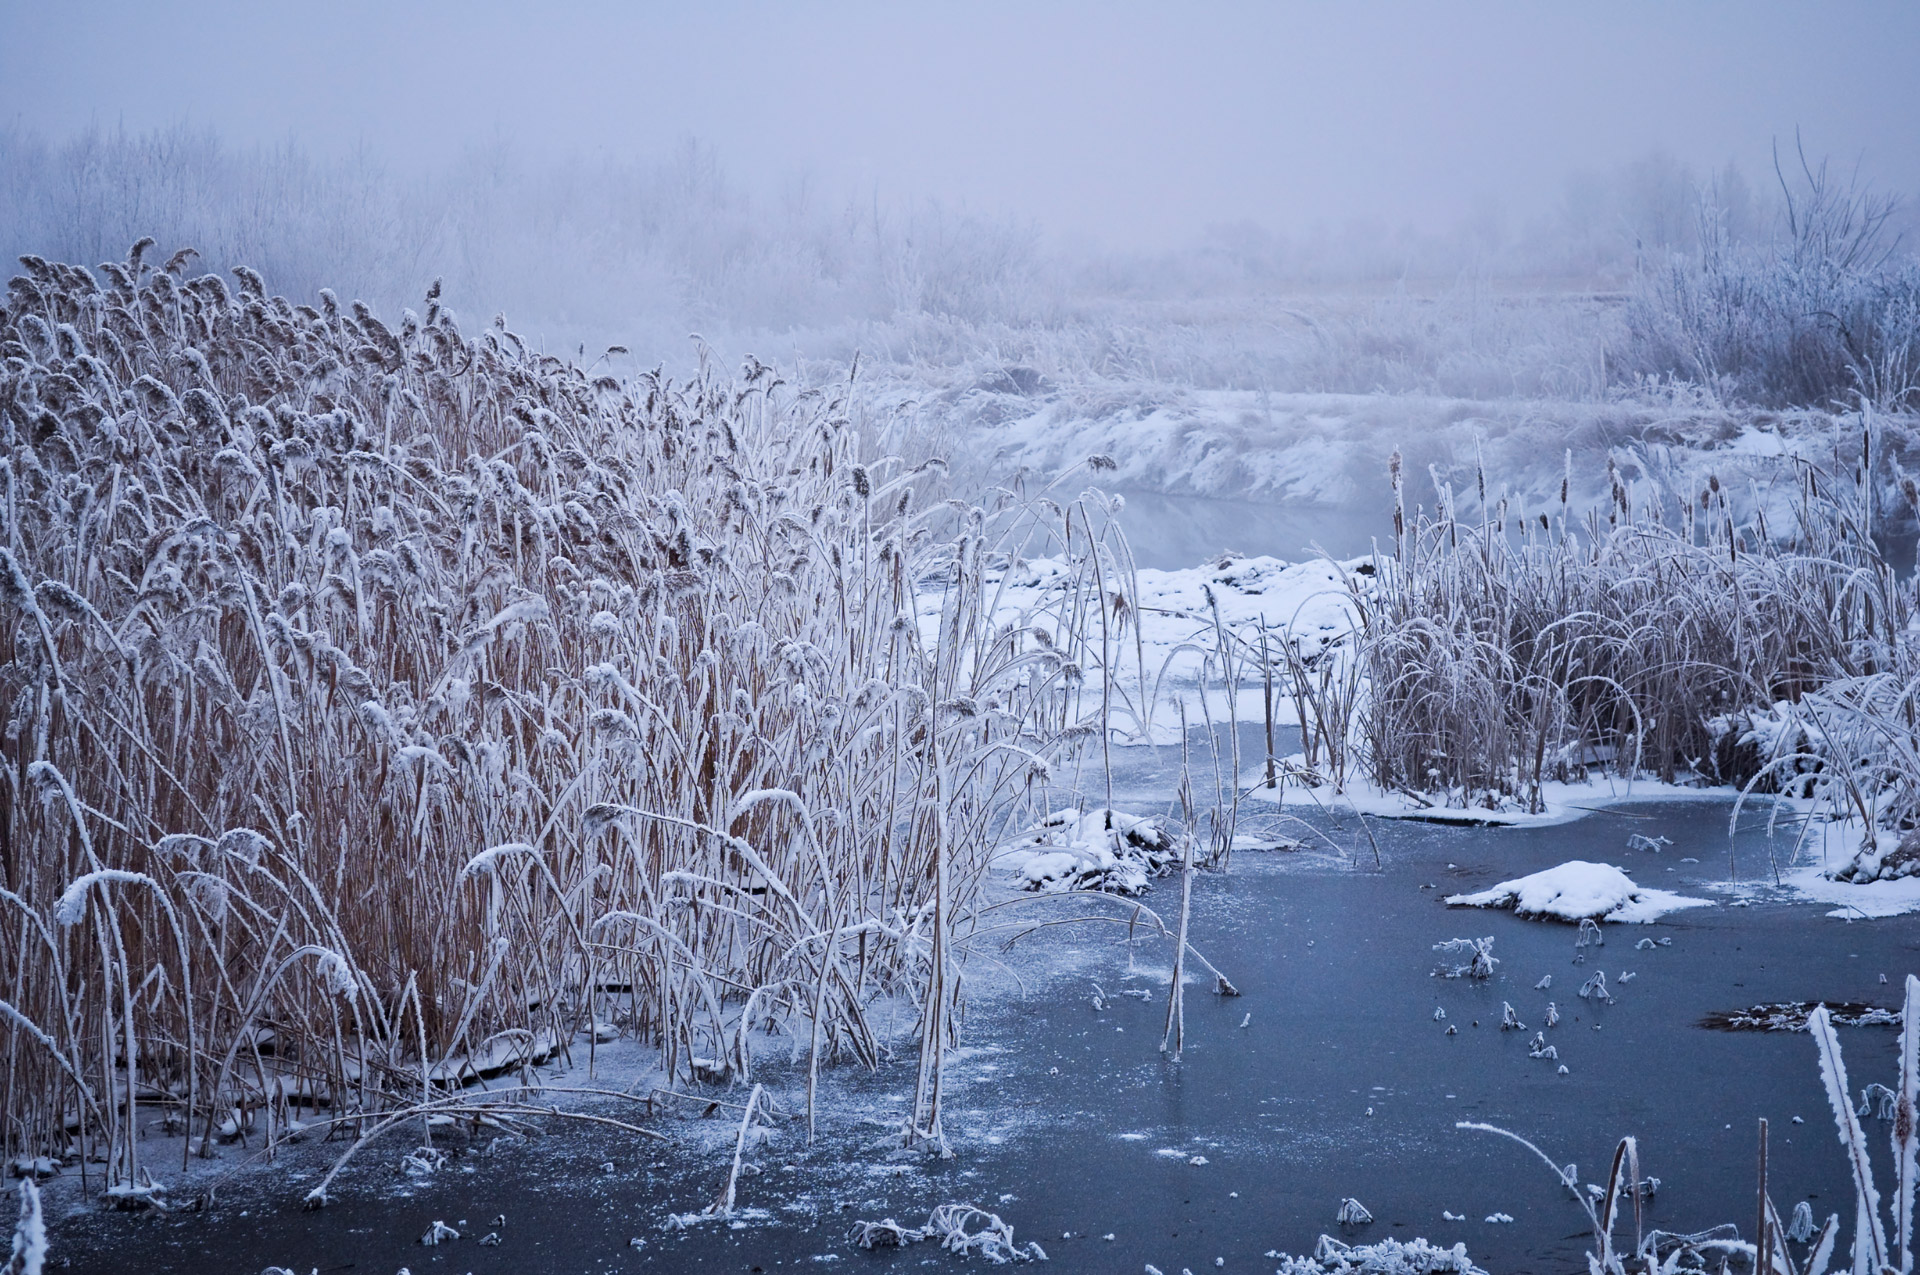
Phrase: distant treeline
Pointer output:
(1796, 289)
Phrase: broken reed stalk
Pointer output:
(1266, 699)
(1176, 1028)
(455, 698)
(723, 1206)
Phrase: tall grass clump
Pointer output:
(385, 706)
(1522, 646)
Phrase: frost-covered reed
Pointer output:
(1520, 646)
(387, 706)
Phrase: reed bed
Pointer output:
(386, 707)
(1498, 653)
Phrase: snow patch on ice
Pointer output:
(1578, 890)
(1097, 850)
(1559, 802)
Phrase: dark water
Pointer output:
(1341, 1084)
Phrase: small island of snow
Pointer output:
(1578, 891)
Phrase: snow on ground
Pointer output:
(1560, 802)
(1331, 450)
(1869, 900)
(1579, 890)
(1310, 604)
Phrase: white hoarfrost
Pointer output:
(1578, 891)
(1388, 1257)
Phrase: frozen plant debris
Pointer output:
(1499, 1217)
(1595, 988)
(423, 1161)
(1352, 1213)
(1553, 1014)
(1627, 976)
(1509, 1020)
(1791, 1016)
(1388, 1257)
(959, 1228)
(1467, 958)
(1539, 1048)
(1640, 841)
(439, 1233)
(1579, 891)
(1546, 981)
(1800, 1230)
(1644, 945)
(1439, 1014)
(1878, 1100)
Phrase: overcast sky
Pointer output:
(1134, 124)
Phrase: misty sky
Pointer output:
(1137, 125)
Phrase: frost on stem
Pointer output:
(1352, 1213)
(1595, 988)
(1589, 935)
(29, 1251)
(1467, 958)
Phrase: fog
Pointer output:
(1137, 126)
(1094, 209)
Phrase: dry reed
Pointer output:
(387, 706)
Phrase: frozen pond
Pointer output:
(1067, 1118)
(1175, 531)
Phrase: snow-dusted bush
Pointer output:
(1827, 309)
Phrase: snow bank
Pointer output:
(1559, 802)
(1578, 890)
(1862, 901)
(1309, 602)
(1098, 850)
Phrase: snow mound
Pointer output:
(1578, 891)
(1098, 850)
